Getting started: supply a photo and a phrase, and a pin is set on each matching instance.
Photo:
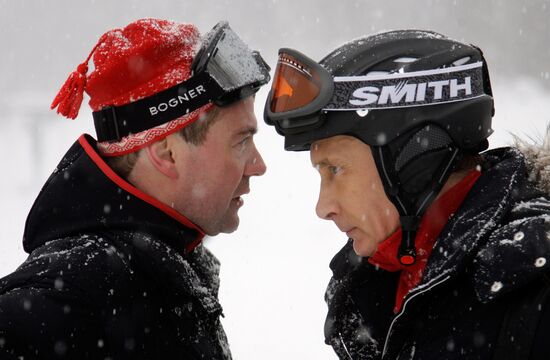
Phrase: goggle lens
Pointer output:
(294, 86)
(233, 65)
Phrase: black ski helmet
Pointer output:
(415, 146)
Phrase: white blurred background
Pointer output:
(275, 267)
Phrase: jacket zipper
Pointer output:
(439, 282)
(344, 345)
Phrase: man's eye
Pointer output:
(334, 169)
(243, 142)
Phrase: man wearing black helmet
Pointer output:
(447, 249)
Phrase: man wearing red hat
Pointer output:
(116, 267)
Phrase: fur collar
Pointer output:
(537, 159)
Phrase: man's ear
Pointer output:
(160, 154)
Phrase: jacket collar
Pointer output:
(476, 234)
(85, 195)
(193, 276)
(467, 231)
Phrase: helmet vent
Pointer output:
(377, 73)
(461, 61)
(405, 60)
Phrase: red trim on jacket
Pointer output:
(96, 158)
(431, 225)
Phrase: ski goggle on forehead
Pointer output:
(235, 70)
(224, 71)
(303, 91)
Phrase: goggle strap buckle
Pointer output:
(106, 123)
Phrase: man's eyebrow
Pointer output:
(247, 131)
(321, 163)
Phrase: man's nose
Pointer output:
(326, 207)
(256, 165)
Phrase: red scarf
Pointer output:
(432, 223)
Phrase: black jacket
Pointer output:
(490, 258)
(112, 273)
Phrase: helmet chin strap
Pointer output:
(412, 182)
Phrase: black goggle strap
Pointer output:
(112, 123)
(486, 77)
(420, 88)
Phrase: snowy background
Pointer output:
(275, 267)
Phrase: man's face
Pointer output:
(352, 194)
(216, 173)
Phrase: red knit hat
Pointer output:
(142, 59)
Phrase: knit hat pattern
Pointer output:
(129, 64)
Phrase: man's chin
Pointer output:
(231, 227)
(363, 248)
(227, 227)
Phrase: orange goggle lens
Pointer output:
(294, 86)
